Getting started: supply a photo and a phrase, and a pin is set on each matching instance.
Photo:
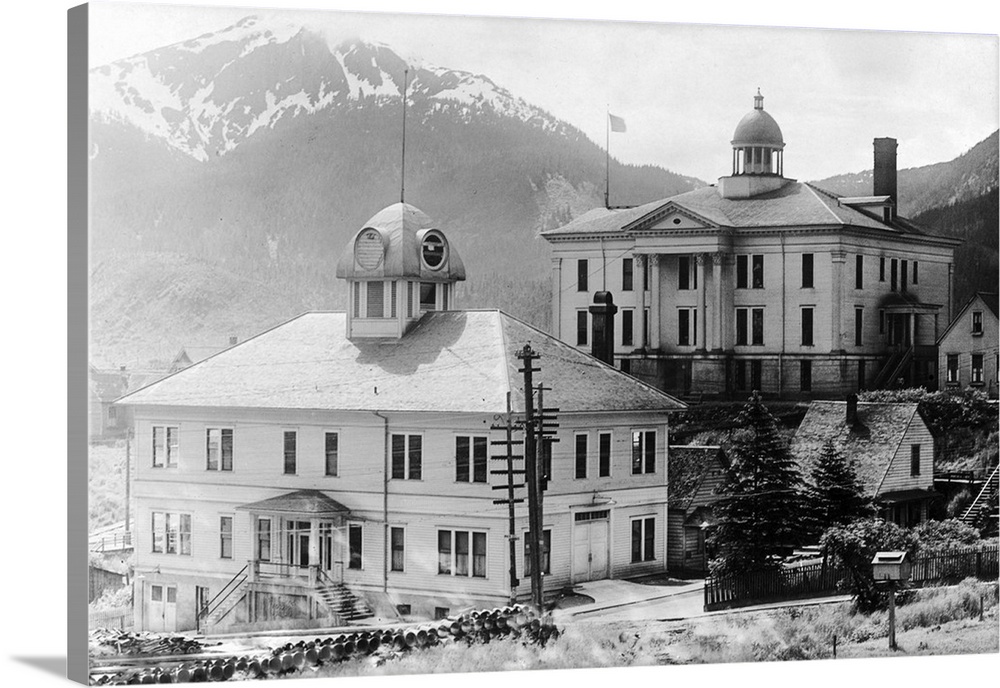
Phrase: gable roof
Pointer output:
(452, 361)
(692, 470)
(298, 502)
(794, 205)
(870, 446)
(988, 299)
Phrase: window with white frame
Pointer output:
(397, 546)
(546, 549)
(604, 454)
(407, 457)
(952, 368)
(750, 326)
(643, 539)
(643, 451)
(687, 327)
(580, 452)
(455, 550)
(171, 533)
(263, 548)
(807, 326)
(165, 446)
(226, 537)
(331, 450)
(628, 326)
(627, 274)
(290, 451)
(977, 322)
(977, 369)
(582, 327)
(355, 545)
(219, 449)
(471, 458)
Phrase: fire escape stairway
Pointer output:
(340, 600)
(984, 512)
(225, 601)
(892, 368)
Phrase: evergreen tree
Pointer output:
(835, 496)
(760, 506)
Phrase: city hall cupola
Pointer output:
(758, 155)
(398, 266)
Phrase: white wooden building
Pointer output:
(761, 282)
(969, 355)
(350, 453)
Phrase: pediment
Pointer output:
(670, 216)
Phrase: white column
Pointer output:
(654, 307)
(640, 301)
(836, 343)
(702, 303)
(717, 339)
(556, 297)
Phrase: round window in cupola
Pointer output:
(434, 250)
(369, 249)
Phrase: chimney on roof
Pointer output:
(233, 340)
(852, 409)
(885, 175)
(603, 327)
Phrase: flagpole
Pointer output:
(402, 163)
(607, 156)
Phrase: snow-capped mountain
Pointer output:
(208, 95)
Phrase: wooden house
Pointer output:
(694, 472)
(350, 456)
(888, 444)
(969, 355)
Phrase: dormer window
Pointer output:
(433, 250)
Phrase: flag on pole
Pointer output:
(617, 123)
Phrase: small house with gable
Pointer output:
(888, 444)
(694, 471)
(969, 350)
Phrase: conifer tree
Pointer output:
(760, 505)
(835, 496)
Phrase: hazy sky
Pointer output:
(681, 88)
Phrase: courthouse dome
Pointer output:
(758, 128)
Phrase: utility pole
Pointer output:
(528, 356)
(509, 457)
(128, 475)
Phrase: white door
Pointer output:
(162, 608)
(590, 546)
(156, 604)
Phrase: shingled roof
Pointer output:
(692, 471)
(453, 361)
(796, 204)
(868, 445)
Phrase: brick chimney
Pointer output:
(603, 328)
(885, 174)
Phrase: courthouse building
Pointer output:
(761, 282)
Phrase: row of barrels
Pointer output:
(478, 626)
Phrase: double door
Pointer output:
(162, 608)
(590, 546)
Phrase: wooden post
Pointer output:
(892, 615)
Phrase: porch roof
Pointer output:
(911, 495)
(312, 502)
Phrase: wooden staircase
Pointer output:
(890, 372)
(341, 601)
(225, 601)
(984, 512)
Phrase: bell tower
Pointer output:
(398, 266)
(758, 155)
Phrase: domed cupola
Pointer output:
(758, 155)
(398, 266)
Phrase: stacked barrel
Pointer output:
(514, 622)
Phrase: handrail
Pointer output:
(989, 487)
(208, 609)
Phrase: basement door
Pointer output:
(162, 608)
(590, 546)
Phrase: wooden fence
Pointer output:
(818, 580)
(119, 617)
